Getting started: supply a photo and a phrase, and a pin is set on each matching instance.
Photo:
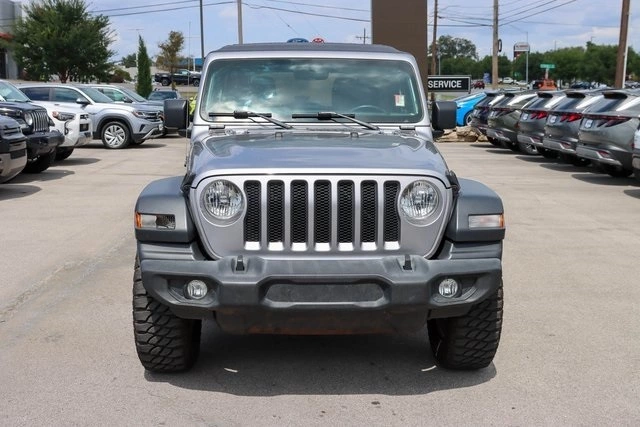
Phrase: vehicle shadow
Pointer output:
(14, 191)
(495, 150)
(567, 167)
(147, 145)
(633, 193)
(603, 179)
(536, 159)
(274, 365)
(75, 161)
(48, 175)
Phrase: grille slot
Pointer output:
(321, 215)
(275, 211)
(391, 218)
(253, 217)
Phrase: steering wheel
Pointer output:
(368, 107)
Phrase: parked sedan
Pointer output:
(534, 116)
(563, 123)
(465, 106)
(607, 131)
(504, 116)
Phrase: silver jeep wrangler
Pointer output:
(316, 202)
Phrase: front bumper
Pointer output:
(41, 143)
(148, 130)
(319, 296)
(13, 158)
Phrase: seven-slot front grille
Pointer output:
(321, 215)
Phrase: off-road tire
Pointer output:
(528, 149)
(40, 164)
(548, 154)
(165, 82)
(165, 343)
(470, 341)
(196, 82)
(115, 135)
(63, 153)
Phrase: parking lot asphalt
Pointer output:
(569, 354)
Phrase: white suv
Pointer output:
(73, 122)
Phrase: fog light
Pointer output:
(448, 288)
(196, 289)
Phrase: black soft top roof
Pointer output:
(309, 47)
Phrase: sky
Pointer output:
(544, 24)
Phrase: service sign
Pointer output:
(449, 84)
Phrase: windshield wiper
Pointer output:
(250, 114)
(327, 115)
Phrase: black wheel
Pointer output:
(164, 342)
(115, 135)
(469, 341)
(63, 153)
(196, 82)
(511, 146)
(636, 174)
(40, 164)
(494, 141)
(467, 119)
(574, 160)
(165, 82)
(548, 154)
(614, 171)
(528, 149)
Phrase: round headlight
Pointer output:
(419, 200)
(28, 118)
(222, 200)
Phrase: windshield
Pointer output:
(96, 95)
(8, 92)
(382, 91)
(133, 95)
(161, 95)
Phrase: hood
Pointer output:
(309, 153)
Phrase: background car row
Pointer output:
(581, 127)
(44, 122)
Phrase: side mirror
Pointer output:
(176, 113)
(82, 101)
(443, 115)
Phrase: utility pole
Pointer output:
(364, 36)
(201, 34)
(621, 61)
(433, 43)
(239, 3)
(494, 59)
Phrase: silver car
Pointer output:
(607, 131)
(562, 125)
(533, 118)
(117, 125)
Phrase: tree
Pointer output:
(169, 57)
(60, 37)
(143, 81)
(455, 47)
(129, 60)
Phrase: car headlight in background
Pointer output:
(222, 200)
(28, 118)
(419, 200)
(62, 116)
